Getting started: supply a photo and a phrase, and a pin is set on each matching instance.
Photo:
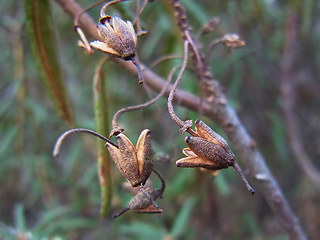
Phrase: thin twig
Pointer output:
(104, 8)
(84, 43)
(77, 18)
(163, 120)
(183, 125)
(133, 60)
(163, 58)
(163, 183)
(116, 130)
(238, 169)
(145, 192)
(137, 20)
(57, 146)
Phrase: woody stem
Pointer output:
(238, 169)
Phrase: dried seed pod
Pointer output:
(207, 149)
(233, 40)
(143, 204)
(119, 37)
(134, 163)
(201, 152)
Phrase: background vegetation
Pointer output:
(42, 197)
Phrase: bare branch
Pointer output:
(295, 141)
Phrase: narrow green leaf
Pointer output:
(141, 230)
(101, 106)
(182, 219)
(19, 217)
(49, 217)
(66, 224)
(43, 45)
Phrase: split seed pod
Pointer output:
(140, 203)
(120, 39)
(207, 149)
(134, 163)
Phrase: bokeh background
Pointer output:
(46, 198)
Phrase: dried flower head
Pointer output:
(233, 40)
(207, 149)
(119, 37)
(134, 163)
(140, 203)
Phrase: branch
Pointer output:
(226, 118)
(288, 96)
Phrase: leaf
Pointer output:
(19, 217)
(49, 217)
(101, 106)
(43, 46)
(181, 222)
(141, 230)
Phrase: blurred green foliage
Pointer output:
(46, 198)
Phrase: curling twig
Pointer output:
(137, 20)
(57, 146)
(163, 58)
(116, 130)
(163, 183)
(77, 18)
(184, 125)
(104, 8)
(163, 120)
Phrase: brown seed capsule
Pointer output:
(143, 204)
(207, 149)
(120, 40)
(119, 37)
(134, 163)
(233, 41)
(205, 152)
